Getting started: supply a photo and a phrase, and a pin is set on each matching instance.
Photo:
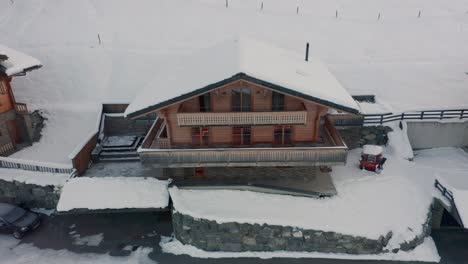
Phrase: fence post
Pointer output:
(461, 114)
(381, 119)
(422, 115)
(402, 116)
(441, 114)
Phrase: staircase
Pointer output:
(120, 137)
(108, 151)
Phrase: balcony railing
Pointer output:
(234, 157)
(162, 155)
(242, 118)
(21, 108)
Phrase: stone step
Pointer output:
(123, 159)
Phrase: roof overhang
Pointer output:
(237, 77)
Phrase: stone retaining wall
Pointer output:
(29, 195)
(356, 137)
(212, 236)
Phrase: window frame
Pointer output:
(200, 136)
(245, 104)
(243, 137)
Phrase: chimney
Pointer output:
(307, 52)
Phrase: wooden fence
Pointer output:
(12, 163)
(449, 195)
(416, 115)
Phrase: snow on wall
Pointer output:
(34, 177)
(113, 193)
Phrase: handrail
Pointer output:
(449, 195)
(416, 115)
(30, 165)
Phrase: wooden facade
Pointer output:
(309, 115)
(15, 124)
(268, 129)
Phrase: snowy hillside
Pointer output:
(96, 51)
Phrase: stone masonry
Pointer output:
(212, 236)
(356, 137)
(29, 195)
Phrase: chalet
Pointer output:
(242, 112)
(15, 124)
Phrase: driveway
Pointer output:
(119, 234)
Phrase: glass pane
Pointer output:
(278, 135)
(277, 103)
(205, 102)
(236, 136)
(205, 135)
(246, 136)
(245, 100)
(236, 100)
(196, 136)
(287, 135)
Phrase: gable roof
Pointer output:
(248, 59)
(13, 62)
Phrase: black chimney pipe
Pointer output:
(307, 52)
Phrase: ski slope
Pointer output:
(96, 51)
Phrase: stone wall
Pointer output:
(356, 137)
(212, 236)
(29, 195)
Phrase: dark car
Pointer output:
(16, 220)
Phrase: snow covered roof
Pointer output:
(13, 62)
(244, 58)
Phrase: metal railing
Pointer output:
(11, 163)
(241, 118)
(6, 149)
(295, 156)
(416, 115)
(449, 195)
(21, 108)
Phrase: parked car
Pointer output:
(16, 220)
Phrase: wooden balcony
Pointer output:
(160, 154)
(235, 157)
(242, 118)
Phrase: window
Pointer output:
(282, 135)
(205, 102)
(277, 101)
(241, 100)
(3, 89)
(200, 136)
(241, 136)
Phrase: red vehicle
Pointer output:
(372, 158)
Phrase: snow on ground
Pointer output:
(450, 167)
(64, 129)
(33, 177)
(426, 252)
(14, 253)
(364, 205)
(113, 193)
(398, 57)
(118, 141)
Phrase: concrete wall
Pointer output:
(435, 134)
(30, 195)
(212, 236)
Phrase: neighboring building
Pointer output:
(15, 123)
(243, 104)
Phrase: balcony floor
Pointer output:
(305, 181)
